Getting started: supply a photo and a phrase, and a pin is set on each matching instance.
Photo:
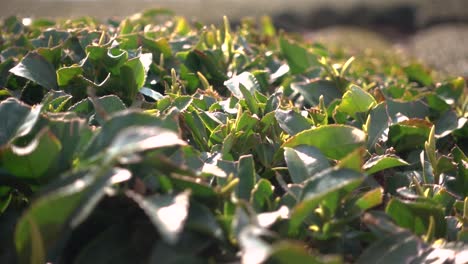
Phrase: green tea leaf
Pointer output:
(377, 123)
(314, 89)
(61, 209)
(291, 121)
(409, 134)
(19, 122)
(299, 58)
(356, 100)
(167, 213)
(370, 199)
(245, 79)
(118, 122)
(415, 215)
(401, 247)
(447, 123)
(327, 183)
(379, 163)
(140, 138)
(66, 74)
(37, 69)
(246, 174)
(262, 194)
(452, 90)
(417, 73)
(35, 159)
(335, 141)
(304, 162)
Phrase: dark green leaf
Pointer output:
(304, 162)
(327, 183)
(37, 69)
(60, 209)
(402, 247)
(452, 90)
(447, 123)
(314, 89)
(246, 170)
(291, 121)
(417, 73)
(410, 109)
(378, 121)
(120, 121)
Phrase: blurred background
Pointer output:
(432, 31)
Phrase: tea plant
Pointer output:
(155, 139)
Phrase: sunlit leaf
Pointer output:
(335, 141)
(167, 213)
(378, 163)
(304, 162)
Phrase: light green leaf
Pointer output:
(33, 160)
(299, 58)
(415, 215)
(379, 163)
(409, 134)
(370, 199)
(335, 141)
(66, 74)
(262, 194)
(356, 100)
(417, 73)
(151, 93)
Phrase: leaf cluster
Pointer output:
(154, 138)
